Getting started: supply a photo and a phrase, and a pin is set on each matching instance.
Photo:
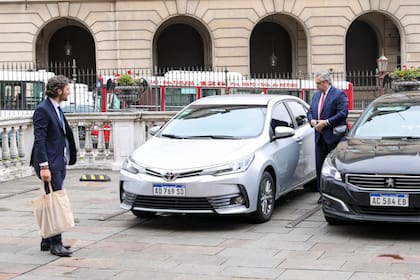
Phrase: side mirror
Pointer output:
(283, 132)
(154, 130)
(340, 130)
(301, 119)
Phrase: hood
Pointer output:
(378, 156)
(182, 154)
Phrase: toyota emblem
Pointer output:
(169, 176)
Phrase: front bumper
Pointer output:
(346, 202)
(228, 194)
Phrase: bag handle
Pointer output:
(47, 185)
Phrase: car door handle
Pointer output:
(299, 139)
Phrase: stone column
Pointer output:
(111, 142)
(13, 146)
(21, 144)
(88, 142)
(5, 147)
(101, 142)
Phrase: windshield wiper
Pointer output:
(213, 136)
(173, 136)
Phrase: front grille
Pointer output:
(161, 173)
(173, 203)
(389, 211)
(184, 203)
(384, 181)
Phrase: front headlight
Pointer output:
(130, 166)
(329, 170)
(229, 168)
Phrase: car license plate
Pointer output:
(168, 190)
(389, 199)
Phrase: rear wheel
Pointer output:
(143, 214)
(266, 199)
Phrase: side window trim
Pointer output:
(287, 102)
(282, 103)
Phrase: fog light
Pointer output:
(237, 200)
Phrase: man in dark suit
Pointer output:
(329, 109)
(53, 148)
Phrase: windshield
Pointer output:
(217, 121)
(389, 121)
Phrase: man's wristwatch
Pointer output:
(44, 167)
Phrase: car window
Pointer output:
(395, 120)
(299, 112)
(218, 122)
(280, 116)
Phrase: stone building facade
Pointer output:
(247, 36)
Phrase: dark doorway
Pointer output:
(82, 53)
(268, 38)
(361, 47)
(82, 47)
(180, 46)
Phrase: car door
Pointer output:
(284, 151)
(304, 136)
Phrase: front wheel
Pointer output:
(266, 199)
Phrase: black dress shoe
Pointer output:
(45, 246)
(59, 250)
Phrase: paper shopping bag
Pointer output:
(53, 212)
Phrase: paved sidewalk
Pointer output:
(111, 244)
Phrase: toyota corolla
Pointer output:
(222, 154)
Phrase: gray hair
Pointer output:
(54, 84)
(323, 76)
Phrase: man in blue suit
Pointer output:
(53, 148)
(329, 109)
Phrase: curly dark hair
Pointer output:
(54, 84)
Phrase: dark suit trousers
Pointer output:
(321, 151)
(57, 179)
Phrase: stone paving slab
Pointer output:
(109, 243)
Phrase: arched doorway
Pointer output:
(72, 42)
(361, 47)
(275, 48)
(366, 37)
(271, 49)
(63, 44)
(182, 43)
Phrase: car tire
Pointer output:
(266, 199)
(333, 221)
(143, 214)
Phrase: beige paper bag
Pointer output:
(53, 212)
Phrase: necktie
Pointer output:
(321, 105)
(61, 118)
(66, 148)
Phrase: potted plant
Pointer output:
(126, 88)
(406, 78)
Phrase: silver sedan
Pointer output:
(233, 154)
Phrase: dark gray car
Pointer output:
(374, 174)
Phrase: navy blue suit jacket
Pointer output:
(50, 138)
(335, 110)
